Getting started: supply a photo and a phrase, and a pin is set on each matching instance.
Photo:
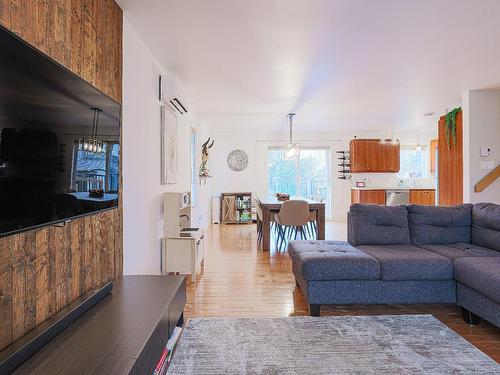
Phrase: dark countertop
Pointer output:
(394, 188)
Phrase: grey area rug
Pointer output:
(399, 344)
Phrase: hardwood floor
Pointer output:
(238, 280)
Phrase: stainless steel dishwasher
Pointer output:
(397, 197)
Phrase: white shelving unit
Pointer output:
(182, 245)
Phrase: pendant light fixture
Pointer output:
(93, 144)
(293, 149)
(419, 147)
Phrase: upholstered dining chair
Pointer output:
(258, 210)
(293, 215)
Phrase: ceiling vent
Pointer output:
(169, 95)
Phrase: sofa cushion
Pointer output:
(460, 250)
(481, 274)
(378, 225)
(408, 262)
(486, 225)
(332, 260)
(439, 225)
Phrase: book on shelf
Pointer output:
(166, 355)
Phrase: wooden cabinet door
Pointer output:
(358, 156)
(229, 211)
(374, 156)
(368, 196)
(433, 151)
(425, 197)
(392, 155)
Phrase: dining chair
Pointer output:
(293, 215)
(258, 210)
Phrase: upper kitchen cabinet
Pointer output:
(374, 156)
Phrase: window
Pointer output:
(413, 162)
(97, 170)
(305, 176)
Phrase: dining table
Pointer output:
(271, 205)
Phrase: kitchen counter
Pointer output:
(394, 188)
(394, 195)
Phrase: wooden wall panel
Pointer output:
(43, 270)
(450, 165)
(83, 35)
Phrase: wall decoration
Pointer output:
(168, 146)
(451, 126)
(204, 169)
(237, 160)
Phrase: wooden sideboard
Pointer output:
(236, 208)
(124, 333)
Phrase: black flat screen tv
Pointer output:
(59, 141)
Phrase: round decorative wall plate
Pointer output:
(237, 160)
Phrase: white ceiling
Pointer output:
(339, 64)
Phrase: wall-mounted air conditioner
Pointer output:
(169, 95)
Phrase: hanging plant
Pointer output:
(451, 126)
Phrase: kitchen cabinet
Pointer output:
(374, 156)
(184, 255)
(368, 196)
(182, 245)
(426, 197)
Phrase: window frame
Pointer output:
(426, 173)
(328, 149)
(109, 146)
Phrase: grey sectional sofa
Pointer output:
(407, 254)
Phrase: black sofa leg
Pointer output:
(314, 309)
(470, 317)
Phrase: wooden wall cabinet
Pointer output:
(374, 156)
(425, 197)
(368, 196)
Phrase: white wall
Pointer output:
(481, 129)
(255, 144)
(142, 191)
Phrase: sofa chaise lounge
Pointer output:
(405, 255)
